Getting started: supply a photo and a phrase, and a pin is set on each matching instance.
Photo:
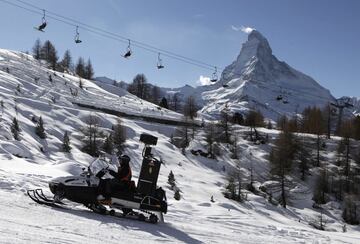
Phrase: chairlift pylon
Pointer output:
(128, 50)
(214, 76)
(159, 62)
(77, 36)
(43, 23)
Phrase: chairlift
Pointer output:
(214, 76)
(128, 51)
(159, 63)
(77, 36)
(43, 23)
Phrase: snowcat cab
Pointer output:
(147, 198)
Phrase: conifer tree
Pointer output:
(92, 134)
(190, 108)
(66, 62)
(163, 103)
(303, 156)
(139, 86)
(15, 129)
(108, 144)
(321, 187)
(230, 187)
(350, 211)
(37, 49)
(80, 68)
(254, 119)
(49, 53)
(281, 159)
(89, 71)
(171, 179)
(155, 95)
(177, 195)
(66, 143)
(225, 123)
(81, 84)
(40, 130)
(356, 127)
(210, 138)
(2, 107)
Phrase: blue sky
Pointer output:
(320, 38)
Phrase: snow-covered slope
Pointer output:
(64, 88)
(32, 162)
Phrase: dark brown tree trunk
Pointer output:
(318, 151)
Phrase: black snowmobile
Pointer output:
(147, 198)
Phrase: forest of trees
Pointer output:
(292, 154)
(141, 88)
(48, 52)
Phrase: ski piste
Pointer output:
(147, 198)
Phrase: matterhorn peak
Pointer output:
(255, 50)
(258, 80)
(254, 34)
(260, 43)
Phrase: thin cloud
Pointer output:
(198, 16)
(245, 29)
(204, 81)
(234, 28)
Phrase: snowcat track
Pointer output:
(38, 196)
(33, 196)
(133, 215)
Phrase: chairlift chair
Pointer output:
(214, 77)
(43, 23)
(128, 51)
(159, 63)
(77, 36)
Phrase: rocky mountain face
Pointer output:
(258, 80)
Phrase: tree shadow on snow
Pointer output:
(160, 230)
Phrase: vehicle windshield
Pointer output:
(98, 164)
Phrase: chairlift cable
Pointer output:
(164, 52)
(111, 36)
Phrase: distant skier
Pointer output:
(120, 182)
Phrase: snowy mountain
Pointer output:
(355, 102)
(27, 92)
(258, 80)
